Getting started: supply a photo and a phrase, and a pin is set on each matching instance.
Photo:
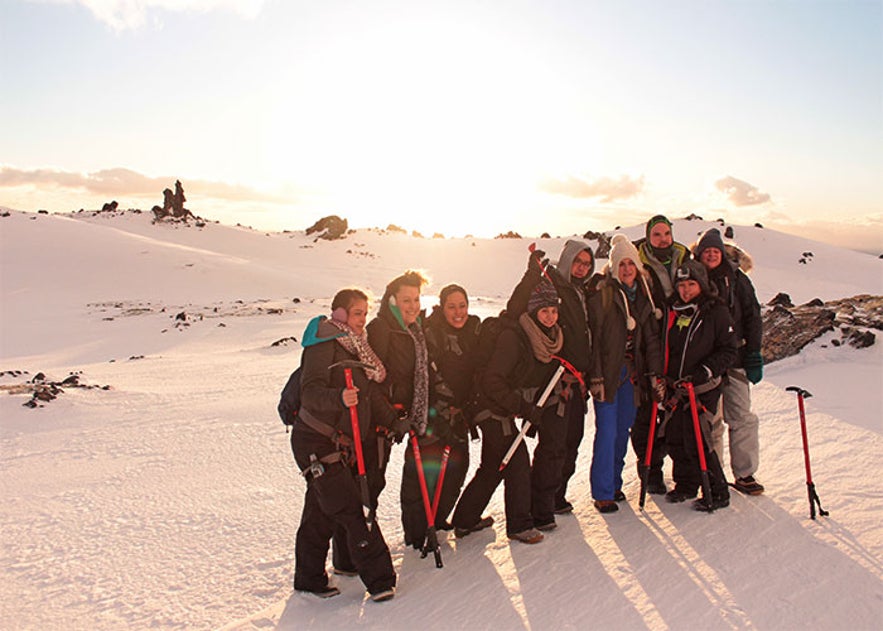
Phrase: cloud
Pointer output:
(606, 188)
(132, 14)
(741, 193)
(120, 182)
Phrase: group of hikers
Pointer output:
(665, 340)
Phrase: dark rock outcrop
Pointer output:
(787, 330)
(329, 228)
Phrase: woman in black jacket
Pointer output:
(322, 443)
(521, 366)
(398, 336)
(701, 347)
(452, 340)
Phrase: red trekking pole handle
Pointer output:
(354, 420)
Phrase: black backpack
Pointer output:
(289, 400)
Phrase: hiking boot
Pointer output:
(606, 506)
(323, 592)
(656, 487)
(619, 496)
(383, 594)
(444, 526)
(484, 522)
(719, 501)
(531, 535)
(545, 526)
(678, 495)
(563, 507)
(748, 485)
(346, 571)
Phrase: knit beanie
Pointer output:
(692, 269)
(621, 249)
(543, 295)
(711, 239)
(655, 220)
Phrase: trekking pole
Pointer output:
(648, 455)
(360, 457)
(703, 465)
(540, 403)
(810, 487)
(431, 543)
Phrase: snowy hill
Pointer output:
(170, 500)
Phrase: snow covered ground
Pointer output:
(171, 500)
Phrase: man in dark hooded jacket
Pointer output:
(571, 279)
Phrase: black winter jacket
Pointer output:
(453, 352)
(736, 290)
(698, 335)
(607, 316)
(322, 387)
(512, 373)
(395, 347)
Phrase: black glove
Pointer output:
(535, 262)
(532, 413)
(702, 375)
(400, 427)
(657, 388)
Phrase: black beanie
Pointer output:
(711, 239)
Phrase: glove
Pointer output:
(536, 262)
(702, 375)
(596, 388)
(532, 413)
(657, 388)
(753, 364)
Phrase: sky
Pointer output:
(457, 117)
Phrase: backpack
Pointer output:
(488, 332)
(289, 400)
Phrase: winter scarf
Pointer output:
(357, 345)
(542, 345)
(420, 404)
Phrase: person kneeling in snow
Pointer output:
(322, 442)
(701, 347)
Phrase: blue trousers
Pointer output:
(612, 423)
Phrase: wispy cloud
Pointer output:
(608, 189)
(132, 14)
(120, 182)
(741, 193)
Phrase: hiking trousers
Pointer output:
(516, 477)
(742, 425)
(612, 423)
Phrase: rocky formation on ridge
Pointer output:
(788, 329)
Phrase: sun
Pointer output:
(440, 139)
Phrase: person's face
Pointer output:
(628, 272)
(581, 265)
(711, 257)
(548, 316)
(660, 235)
(456, 309)
(357, 315)
(688, 290)
(408, 302)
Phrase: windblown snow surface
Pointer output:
(170, 500)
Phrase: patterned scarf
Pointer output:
(543, 346)
(357, 345)
(420, 405)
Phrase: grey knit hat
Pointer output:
(543, 295)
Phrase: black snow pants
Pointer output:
(548, 463)
(640, 434)
(680, 439)
(575, 421)
(333, 502)
(494, 445)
